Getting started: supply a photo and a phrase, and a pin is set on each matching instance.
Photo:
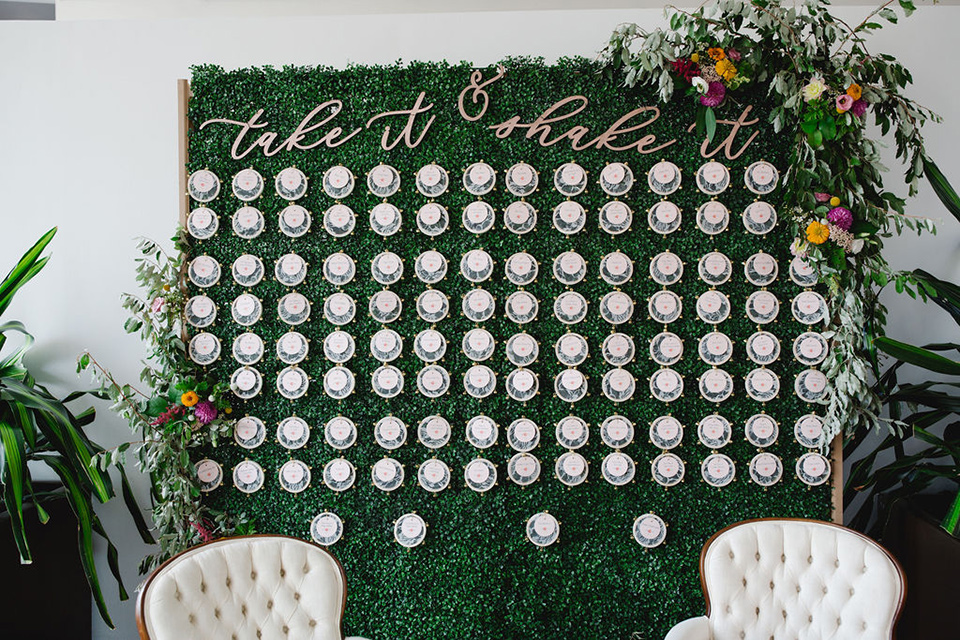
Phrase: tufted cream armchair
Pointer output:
(245, 588)
(793, 579)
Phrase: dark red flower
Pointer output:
(686, 68)
(859, 108)
(714, 96)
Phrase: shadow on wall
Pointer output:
(27, 11)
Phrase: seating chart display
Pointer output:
(497, 354)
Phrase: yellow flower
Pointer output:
(716, 53)
(695, 57)
(725, 69)
(228, 410)
(166, 287)
(817, 232)
(854, 91)
(834, 201)
(189, 399)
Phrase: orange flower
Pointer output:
(189, 399)
(716, 53)
(854, 91)
(725, 69)
(817, 232)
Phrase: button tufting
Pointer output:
(784, 612)
(296, 596)
(269, 604)
(282, 573)
(744, 582)
(729, 610)
(836, 563)
(731, 555)
(228, 581)
(864, 625)
(783, 557)
(771, 585)
(757, 555)
(743, 634)
(809, 559)
(259, 633)
(851, 590)
(192, 619)
(757, 610)
(179, 597)
(798, 588)
(203, 587)
(253, 575)
(286, 629)
(809, 618)
(824, 589)
(313, 623)
(838, 622)
(216, 613)
(243, 609)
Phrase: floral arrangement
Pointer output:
(711, 72)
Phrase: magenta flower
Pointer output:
(715, 94)
(840, 217)
(734, 55)
(844, 102)
(821, 197)
(205, 411)
(859, 108)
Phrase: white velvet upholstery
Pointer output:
(796, 580)
(246, 588)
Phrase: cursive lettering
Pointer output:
(727, 145)
(406, 133)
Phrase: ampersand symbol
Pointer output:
(478, 95)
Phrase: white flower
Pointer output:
(700, 85)
(857, 245)
(814, 89)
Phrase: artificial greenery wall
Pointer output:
(476, 575)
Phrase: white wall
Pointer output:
(88, 121)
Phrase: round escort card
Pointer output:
(569, 268)
(433, 381)
(571, 469)
(761, 178)
(615, 217)
(433, 432)
(385, 219)
(572, 432)
(618, 385)
(520, 217)
(432, 305)
(476, 265)
(385, 306)
(202, 223)
(803, 273)
(666, 385)
(616, 268)
(713, 178)
(522, 349)
(666, 432)
(664, 178)
(715, 348)
(717, 470)
(618, 349)
(521, 269)
(248, 222)
(809, 308)
(714, 431)
(543, 529)
(292, 382)
(570, 179)
(209, 474)
(666, 268)
(294, 221)
(762, 307)
(570, 385)
(479, 179)
(386, 345)
(247, 270)
(616, 431)
(716, 385)
(430, 267)
(339, 220)
(759, 218)
(569, 217)
(293, 433)
(200, 311)
(766, 469)
(480, 475)
(762, 385)
(523, 469)
(294, 476)
(291, 269)
(616, 307)
(246, 382)
(390, 433)
(338, 382)
(521, 307)
(432, 219)
(338, 182)
(522, 179)
(387, 381)
(432, 180)
(290, 184)
(666, 348)
(248, 476)
(713, 307)
(326, 528)
(616, 179)
(386, 268)
(570, 307)
(409, 530)
(761, 430)
(479, 381)
(523, 435)
(339, 309)
(763, 347)
(338, 268)
(387, 474)
(249, 432)
(478, 344)
(204, 271)
(383, 181)
(813, 469)
(572, 349)
(203, 185)
(618, 468)
(478, 217)
(808, 431)
(340, 433)
(478, 305)
(482, 432)
(429, 345)
(522, 385)
(810, 348)
(714, 268)
(247, 185)
(339, 347)
(713, 217)
(649, 530)
(811, 386)
(664, 307)
(761, 269)
(667, 469)
(434, 475)
(339, 474)
(246, 309)
(204, 348)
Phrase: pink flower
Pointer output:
(821, 197)
(205, 412)
(840, 217)
(734, 55)
(844, 102)
(157, 305)
(714, 96)
(859, 108)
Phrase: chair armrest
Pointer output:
(691, 629)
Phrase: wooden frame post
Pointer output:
(836, 478)
(183, 129)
